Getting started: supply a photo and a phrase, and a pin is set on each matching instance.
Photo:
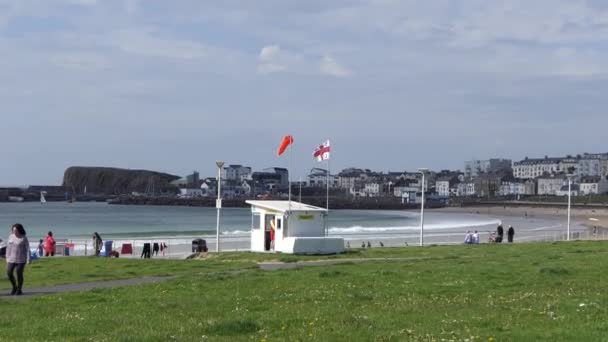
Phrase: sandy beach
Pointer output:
(590, 218)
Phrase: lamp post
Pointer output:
(569, 205)
(218, 203)
(423, 171)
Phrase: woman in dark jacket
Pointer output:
(499, 234)
(510, 234)
(97, 243)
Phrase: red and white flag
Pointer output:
(322, 152)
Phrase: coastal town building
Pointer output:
(593, 185)
(283, 173)
(447, 186)
(317, 178)
(465, 189)
(533, 168)
(236, 173)
(549, 184)
(518, 187)
(474, 168)
(574, 190)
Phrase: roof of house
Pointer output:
(284, 206)
(590, 179)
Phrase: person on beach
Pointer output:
(468, 238)
(40, 249)
(499, 234)
(476, 238)
(510, 234)
(49, 245)
(97, 243)
(17, 255)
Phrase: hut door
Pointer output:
(267, 234)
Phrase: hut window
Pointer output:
(255, 221)
(279, 224)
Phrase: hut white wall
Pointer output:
(306, 224)
(257, 231)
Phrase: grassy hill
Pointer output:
(526, 292)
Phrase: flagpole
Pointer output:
(289, 171)
(327, 197)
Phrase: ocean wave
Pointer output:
(451, 226)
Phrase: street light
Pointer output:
(218, 203)
(569, 205)
(423, 171)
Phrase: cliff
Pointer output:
(113, 181)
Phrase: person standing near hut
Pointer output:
(510, 234)
(97, 243)
(17, 255)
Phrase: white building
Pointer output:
(533, 168)
(593, 185)
(465, 189)
(372, 189)
(549, 185)
(443, 188)
(291, 227)
(236, 173)
(318, 178)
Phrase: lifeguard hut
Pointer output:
(291, 227)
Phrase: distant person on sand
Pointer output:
(510, 234)
(97, 243)
(499, 234)
(17, 255)
(49, 245)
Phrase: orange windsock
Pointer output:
(287, 140)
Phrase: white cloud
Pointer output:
(269, 60)
(329, 66)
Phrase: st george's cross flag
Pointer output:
(321, 153)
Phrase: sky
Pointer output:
(174, 86)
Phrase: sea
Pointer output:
(179, 225)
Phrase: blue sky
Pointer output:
(175, 85)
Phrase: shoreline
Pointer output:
(588, 217)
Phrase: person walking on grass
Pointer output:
(97, 243)
(49, 245)
(17, 255)
(510, 234)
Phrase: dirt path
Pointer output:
(79, 287)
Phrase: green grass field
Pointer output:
(527, 292)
